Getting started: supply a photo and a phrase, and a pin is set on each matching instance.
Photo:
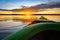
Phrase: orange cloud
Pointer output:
(50, 11)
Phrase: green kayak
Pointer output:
(29, 31)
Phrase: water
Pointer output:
(54, 18)
(9, 27)
(50, 17)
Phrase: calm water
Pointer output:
(51, 17)
(9, 27)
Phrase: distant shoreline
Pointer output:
(31, 14)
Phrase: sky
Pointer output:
(14, 4)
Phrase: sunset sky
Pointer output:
(32, 7)
(13, 4)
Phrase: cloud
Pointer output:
(45, 6)
(50, 11)
(48, 5)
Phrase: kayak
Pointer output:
(28, 32)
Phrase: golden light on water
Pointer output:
(28, 14)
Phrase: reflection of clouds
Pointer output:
(53, 18)
(10, 23)
(12, 26)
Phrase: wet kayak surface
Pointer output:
(29, 31)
